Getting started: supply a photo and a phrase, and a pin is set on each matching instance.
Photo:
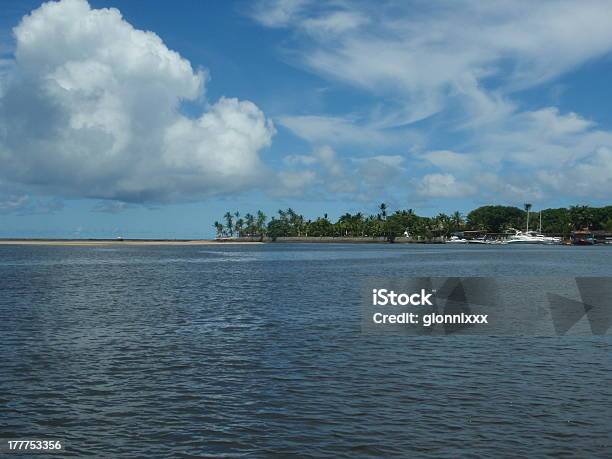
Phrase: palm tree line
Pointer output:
(236, 225)
(288, 223)
(383, 224)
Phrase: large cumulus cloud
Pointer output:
(90, 107)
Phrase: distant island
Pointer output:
(492, 219)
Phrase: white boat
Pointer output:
(456, 240)
(550, 239)
(524, 238)
(459, 240)
(532, 237)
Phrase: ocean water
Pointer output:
(256, 351)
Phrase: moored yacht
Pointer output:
(532, 237)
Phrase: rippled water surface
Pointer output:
(256, 351)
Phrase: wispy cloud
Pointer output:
(427, 53)
(466, 63)
(340, 131)
(112, 207)
(23, 204)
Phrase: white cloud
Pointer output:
(325, 157)
(324, 129)
(451, 161)
(277, 13)
(90, 107)
(335, 23)
(444, 186)
(591, 177)
(338, 131)
(296, 160)
(395, 161)
(14, 203)
(326, 19)
(294, 183)
(464, 61)
(543, 138)
(428, 56)
(532, 155)
(23, 204)
(112, 207)
(329, 160)
(380, 172)
(325, 170)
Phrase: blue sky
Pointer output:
(151, 119)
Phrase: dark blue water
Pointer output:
(256, 351)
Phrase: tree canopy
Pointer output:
(491, 219)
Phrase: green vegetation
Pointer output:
(496, 219)
(250, 225)
(490, 219)
(561, 221)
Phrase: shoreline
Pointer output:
(103, 242)
(212, 242)
(190, 242)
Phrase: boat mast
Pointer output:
(540, 230)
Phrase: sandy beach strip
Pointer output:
(110, 242)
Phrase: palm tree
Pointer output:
(527, 209)
(457, 220)
(345, 224)
(219, 229)
(359, 224)
(261, 223)
(238, 225)
(249, 220)
(443, 223)
(383, 210)
(229, 223)
(295, 221)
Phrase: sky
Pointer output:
(151, 119)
